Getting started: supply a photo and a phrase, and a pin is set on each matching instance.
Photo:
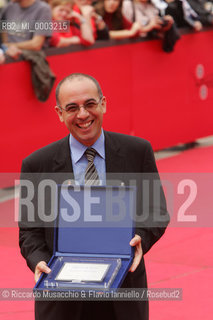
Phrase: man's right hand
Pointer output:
(40, 268)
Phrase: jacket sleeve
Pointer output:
(31, 230)
(153, 216)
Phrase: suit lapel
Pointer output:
(115, 160)
(62, 161)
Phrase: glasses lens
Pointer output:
(72, 109)
(90, 105)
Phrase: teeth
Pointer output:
(85, 125)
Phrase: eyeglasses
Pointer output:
(89, 105)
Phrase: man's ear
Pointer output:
(59, 113)
(103, 104)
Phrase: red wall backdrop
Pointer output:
(165, 98)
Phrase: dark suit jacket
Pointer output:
(124, 154)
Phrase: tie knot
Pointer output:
(90, 154)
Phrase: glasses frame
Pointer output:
(96, 103)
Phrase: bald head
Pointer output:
(76, 76)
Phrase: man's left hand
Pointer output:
(136, 242)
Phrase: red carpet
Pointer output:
(194, 160)
(183, 258)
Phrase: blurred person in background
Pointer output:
(200, 7)
(26, 11)
(208, 5)
(3, 49)
(119, 26)
(2, 56)
(99, 27)
(151, 23)
(2, 5)
(12, 51)
(79, 33)
(147, 15)
(183, 14)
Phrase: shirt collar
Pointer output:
(78, 149)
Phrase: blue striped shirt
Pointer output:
(80, 162)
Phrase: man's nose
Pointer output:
(82, 112)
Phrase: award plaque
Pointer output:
(93, 228)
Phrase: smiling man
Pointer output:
(81, 106)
